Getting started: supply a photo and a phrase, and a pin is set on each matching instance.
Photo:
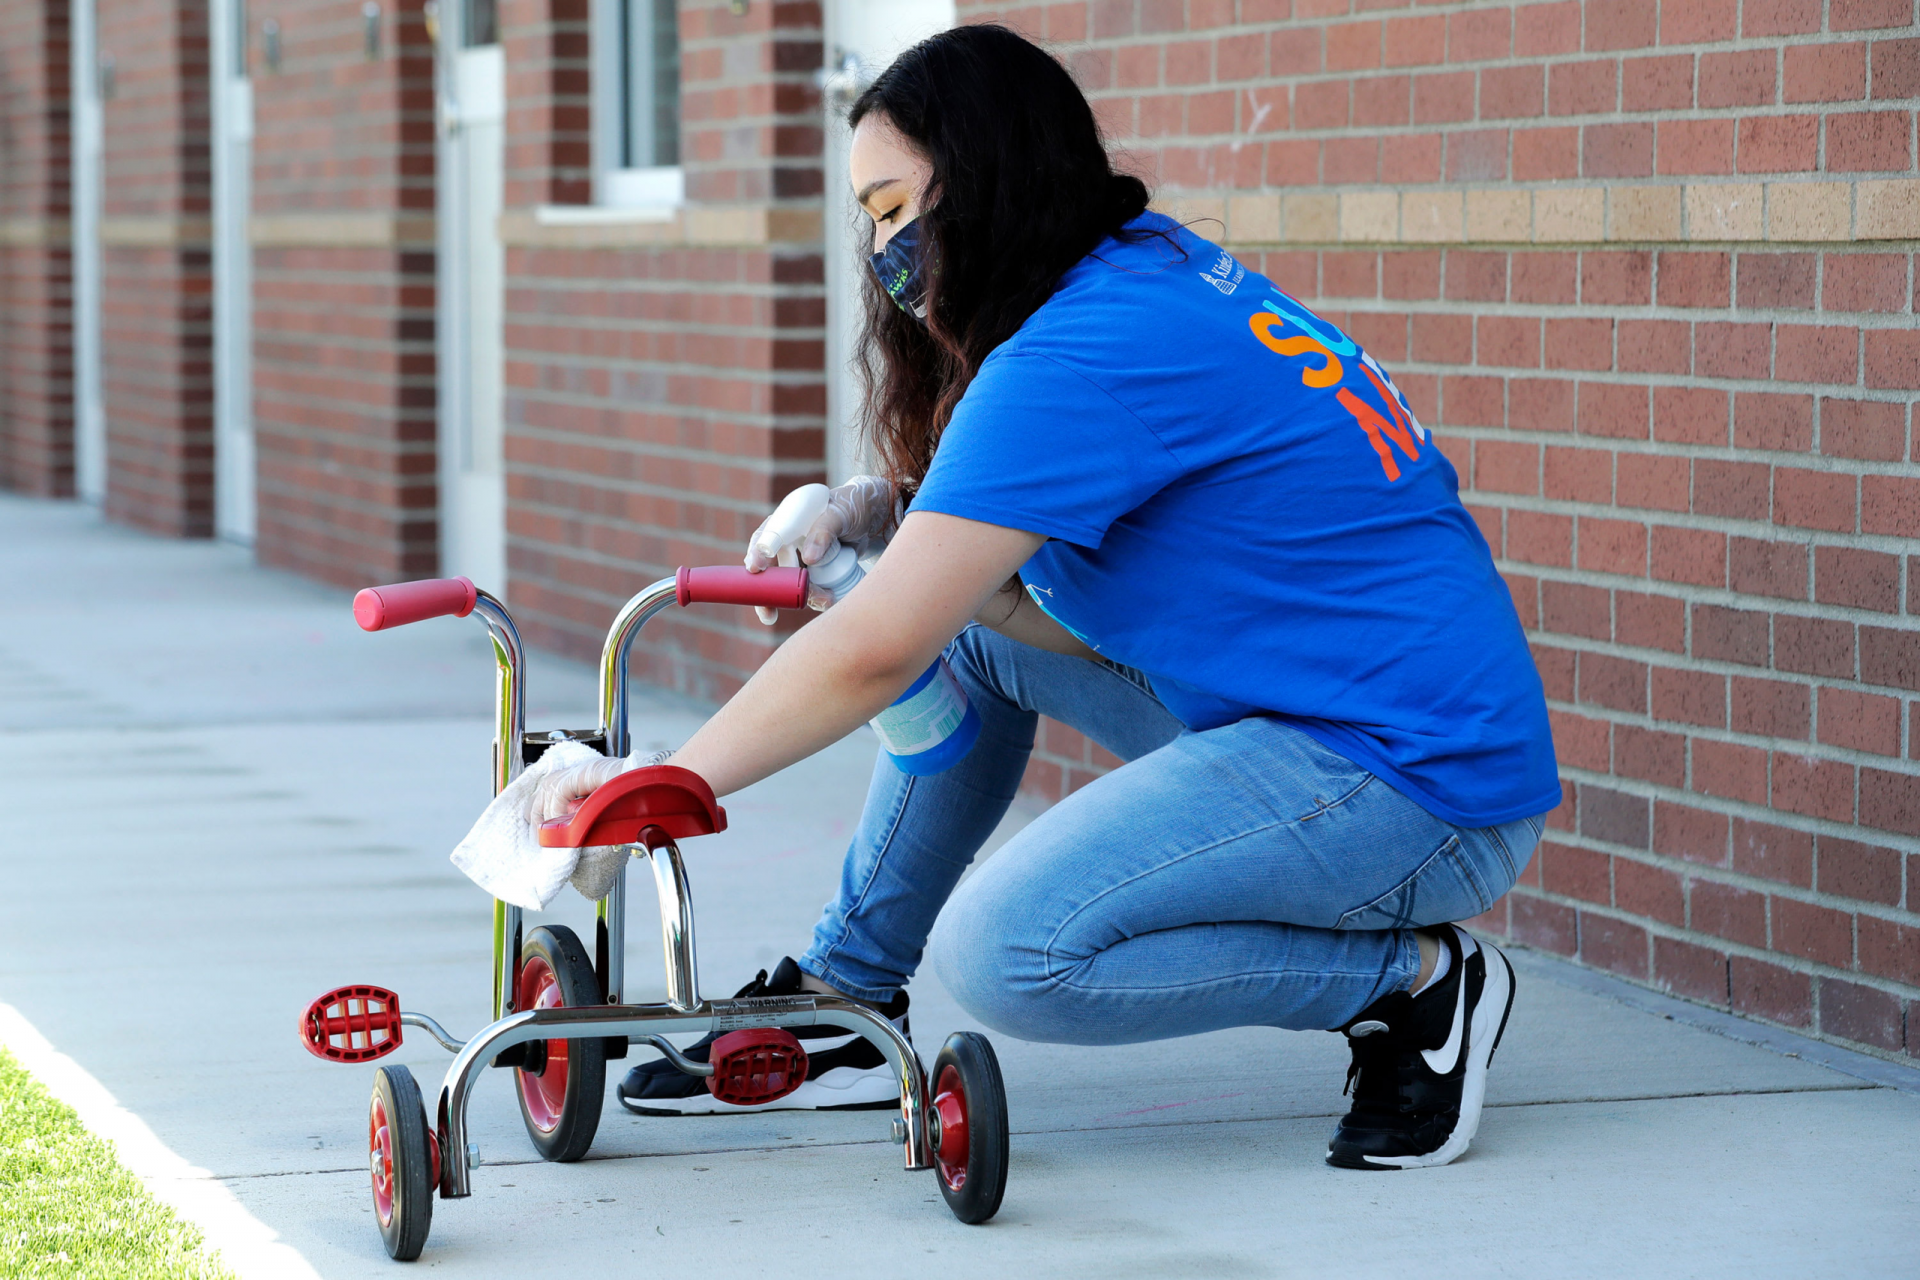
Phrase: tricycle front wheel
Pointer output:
(400, 1158)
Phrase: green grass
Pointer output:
(67, 1207)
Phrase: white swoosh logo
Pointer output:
(1449, 1053)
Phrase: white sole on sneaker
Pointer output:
(836, 1090)
(1487, 1026)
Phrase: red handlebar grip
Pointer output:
(378, 608)
(727, 584)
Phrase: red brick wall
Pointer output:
(549, 131)
(343, 296)
(1648, 271)
(664, 380)
(36, 363)
(156, 270)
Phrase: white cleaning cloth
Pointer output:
(503, 855)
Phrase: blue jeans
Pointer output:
(1241, 876)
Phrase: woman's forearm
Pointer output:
(843, 668)
(817, 688)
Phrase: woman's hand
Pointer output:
(841, 669)
(561, 791)
(864, 511)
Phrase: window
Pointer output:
(637, 116)
(482, 25)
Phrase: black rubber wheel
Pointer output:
(400, 1159)
(967, 1122)
(560, 1099)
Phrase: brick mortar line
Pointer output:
(1734, 878)
(1360, 78)
(640, 488)
(1468, 309)
(1757, 245)
(1692, 450)
(744, 375)
(1825, 611)
(1457, 8)
(1682, 933)
(1711, 666)
(612, 324)
(627, 444)
(1776, 44)
(1600, 580)
(755, 377)
(389, 409)
(1138, 143)
(307, 341)
(786, 420)
(564, 286)
(1722, 667)
(1474, 309)
(1733, 526)
(274, 392)
(668, 453)
(1787, 818)
(1662, 928)
(601, 560)
(1187, 196)
(1829, 464)
(1739, 738)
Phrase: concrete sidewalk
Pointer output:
(218, 798)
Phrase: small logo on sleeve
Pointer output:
(1226, 274)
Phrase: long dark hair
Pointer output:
(1022, 188)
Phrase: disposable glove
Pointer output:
(864, 511)
(561, 791)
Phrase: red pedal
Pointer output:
(352, 1024)
(760, 1064)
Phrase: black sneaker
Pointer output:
(1419, 1072)
(845, 1072)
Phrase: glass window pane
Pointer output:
(666, 82)
(650, 83)
(483, 23)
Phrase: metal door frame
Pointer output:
(855, 53)
(454, 292)
(85, 166)
(231, 96)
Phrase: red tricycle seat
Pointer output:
(677, 801)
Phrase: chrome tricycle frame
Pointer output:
(684, 1009)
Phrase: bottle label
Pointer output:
(925, 715)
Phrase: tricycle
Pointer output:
(560, 1014)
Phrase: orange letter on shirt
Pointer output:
(1263, 323)
(1378, 429)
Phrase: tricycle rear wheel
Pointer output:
(563, 1089)
(967, 1121)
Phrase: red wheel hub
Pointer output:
(545, 1091)
(380, 1159)
(950, 1112)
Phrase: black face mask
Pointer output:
(901, 268)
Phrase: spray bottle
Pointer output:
(930, 726)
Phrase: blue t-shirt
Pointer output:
(1241, 505)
